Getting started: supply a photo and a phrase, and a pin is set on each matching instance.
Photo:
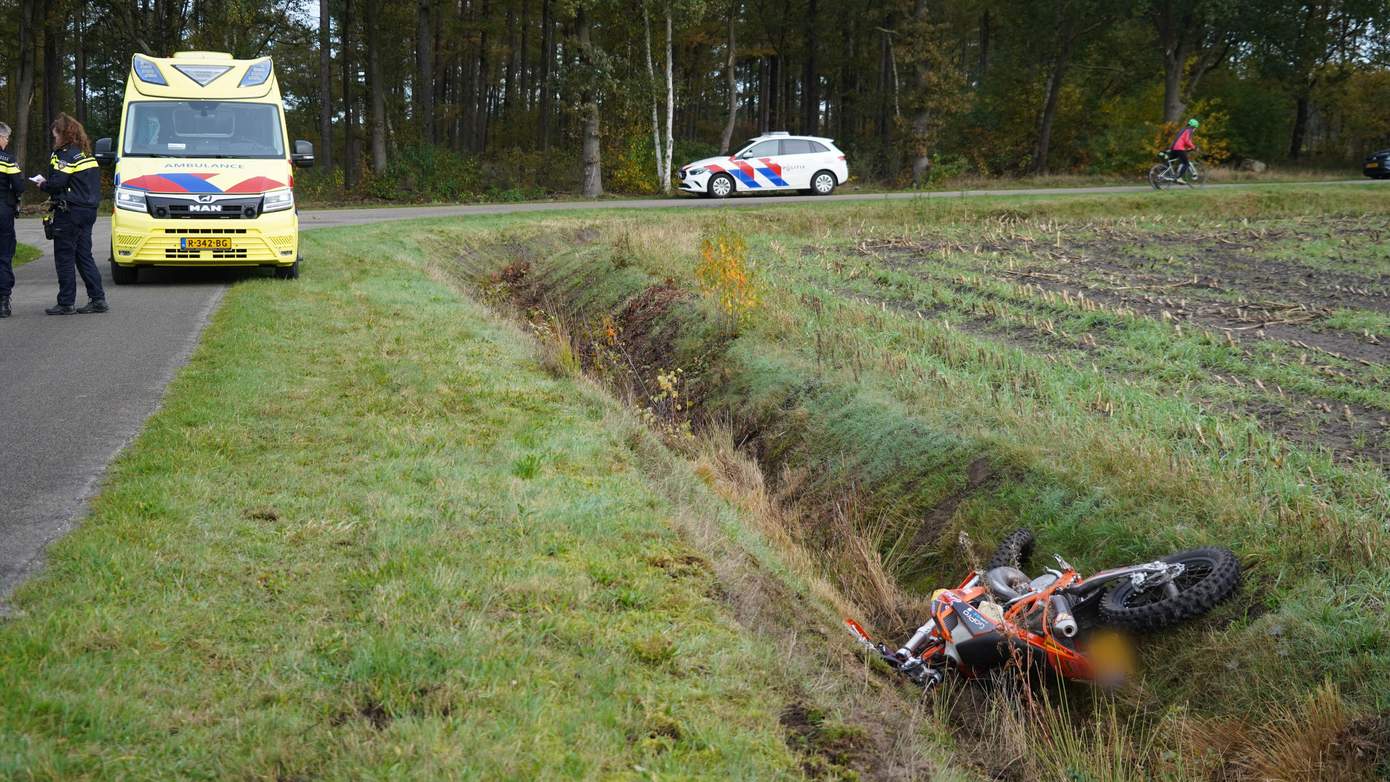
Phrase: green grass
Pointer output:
(24, 253)
(368, 537)
(881, 381)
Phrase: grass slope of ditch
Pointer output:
(368, 536)
(1126, 375)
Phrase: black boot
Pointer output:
(60, 309)
(95, 305)
(4, 306)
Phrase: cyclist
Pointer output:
(1181, 146)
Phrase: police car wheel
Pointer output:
(721, 186)
(124, 275)
(823, 183)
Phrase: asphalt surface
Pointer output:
(74, 390)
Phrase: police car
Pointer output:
(769, 163)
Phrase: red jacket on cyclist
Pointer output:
(1182, 145)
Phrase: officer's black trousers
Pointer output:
(72, 249)
(6, 249)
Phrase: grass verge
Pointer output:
(24, 253)
(368, 536)
(912, 372)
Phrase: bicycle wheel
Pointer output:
(1159, 178)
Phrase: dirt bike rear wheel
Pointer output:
(1158, 176)
(1013, 551)
(1210, 576)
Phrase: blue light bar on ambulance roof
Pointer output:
(148, 72)
(256, 74)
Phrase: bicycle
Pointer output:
(1164, 175)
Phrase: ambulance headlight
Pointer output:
(278, 200)
(256, 74)
(134, 200)
(148, 72)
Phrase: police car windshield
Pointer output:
(199, 128)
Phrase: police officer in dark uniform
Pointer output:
(11, 185)
(74, 184)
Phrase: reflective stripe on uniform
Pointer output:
(80, 164)
(8, 168)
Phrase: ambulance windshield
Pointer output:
(215, 129)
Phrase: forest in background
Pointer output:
(508, 99)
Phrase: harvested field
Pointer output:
(1275, 291)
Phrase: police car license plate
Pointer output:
(204, 243)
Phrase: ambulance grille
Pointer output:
(193, 255)
(217, 231)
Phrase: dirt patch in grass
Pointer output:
(829, 750)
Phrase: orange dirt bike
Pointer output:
(1058, 620)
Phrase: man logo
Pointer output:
(205, 199)
(204, 208)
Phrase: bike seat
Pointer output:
(1007, 583)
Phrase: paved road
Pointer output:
(75, 390)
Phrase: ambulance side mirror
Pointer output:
(104, 151)
(303, 154)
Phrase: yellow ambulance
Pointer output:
(204, 170)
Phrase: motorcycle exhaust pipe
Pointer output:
(1062, 620)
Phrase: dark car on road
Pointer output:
(1377, 165)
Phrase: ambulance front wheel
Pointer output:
(124, 275)
(290, 272)
(721, 186)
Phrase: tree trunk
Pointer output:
(79, 98)
(509, 88)
(547, 65)
(24, 84)
(378, 90)
(525, 75)
(1300, 126)
(731, 81)
(350, 156)
(325, 150)
(588, 100)
(52, 65)
(482, 86)
(810, 101)
(1173, 105)
(983, 65)
(670, 107)
(424, 70)
(1054, 92)
(921, 119)
(651, 88)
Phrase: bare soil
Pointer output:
(1222, 282)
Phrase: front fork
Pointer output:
(905, 660)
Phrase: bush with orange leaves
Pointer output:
(725, 275)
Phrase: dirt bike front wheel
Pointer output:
(1209, 576)
(1013, 551)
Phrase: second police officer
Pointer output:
(74, 184)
